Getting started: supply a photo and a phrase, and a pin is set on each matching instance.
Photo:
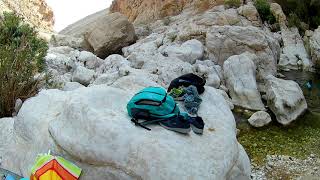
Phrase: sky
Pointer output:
(69, 11)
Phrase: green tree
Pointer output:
(21, 57)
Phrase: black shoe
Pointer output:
(197, 124)
(177, 124)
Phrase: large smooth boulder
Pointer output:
(225, 41)
(285, 99)
(259, 119)
(110, 34)
(315, 47)
(294, 54)
(90, 127)
(240, 78)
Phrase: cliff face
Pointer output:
(141, 11)
(35, 12)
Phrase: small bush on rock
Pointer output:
(265, 13)
(21, 57)
(232, 3)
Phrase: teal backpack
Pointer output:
(152, 105)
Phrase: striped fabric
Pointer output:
(48, 167)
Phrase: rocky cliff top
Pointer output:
(35, 12)
(141, 11)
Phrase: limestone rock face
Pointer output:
(285, 99)
(315, 48)
(190, 51)
(90, 127)
(141, 11)
(294, 54)
(35, 12)
(225, 41)
(239, 74)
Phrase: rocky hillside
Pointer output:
(35, 12)
(141, 11)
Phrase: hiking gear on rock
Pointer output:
(187, 80)
(48, 167)
(177, 124)
(177, 92)
(153, 105)
(197, 124)
(192, 100)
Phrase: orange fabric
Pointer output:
(55, 166)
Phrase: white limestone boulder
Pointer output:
(259, 119)
(240, 78)
(285, 99)
(294, 55)
(90, 127)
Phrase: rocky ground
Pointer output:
(286, 167)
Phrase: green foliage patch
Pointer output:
(21, 57)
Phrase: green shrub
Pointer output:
(263, 8)
(306, 11)
(232, 3)
(293, 20)
(21, 57)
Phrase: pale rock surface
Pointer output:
(211, 72)
(225, 41)
(6, 134)
(285, 99)
(315, 47)
(189, 51)
(110, 34)
(90, 127)
(70, 86)
(83, 75)
(219, 18)
(226, 98)
(89, 60)
(85, 25)
(65, 40)
(58, 62)
(240, 79)
(259, 119)
(167, 68)
(251, 13)
(294, 54)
